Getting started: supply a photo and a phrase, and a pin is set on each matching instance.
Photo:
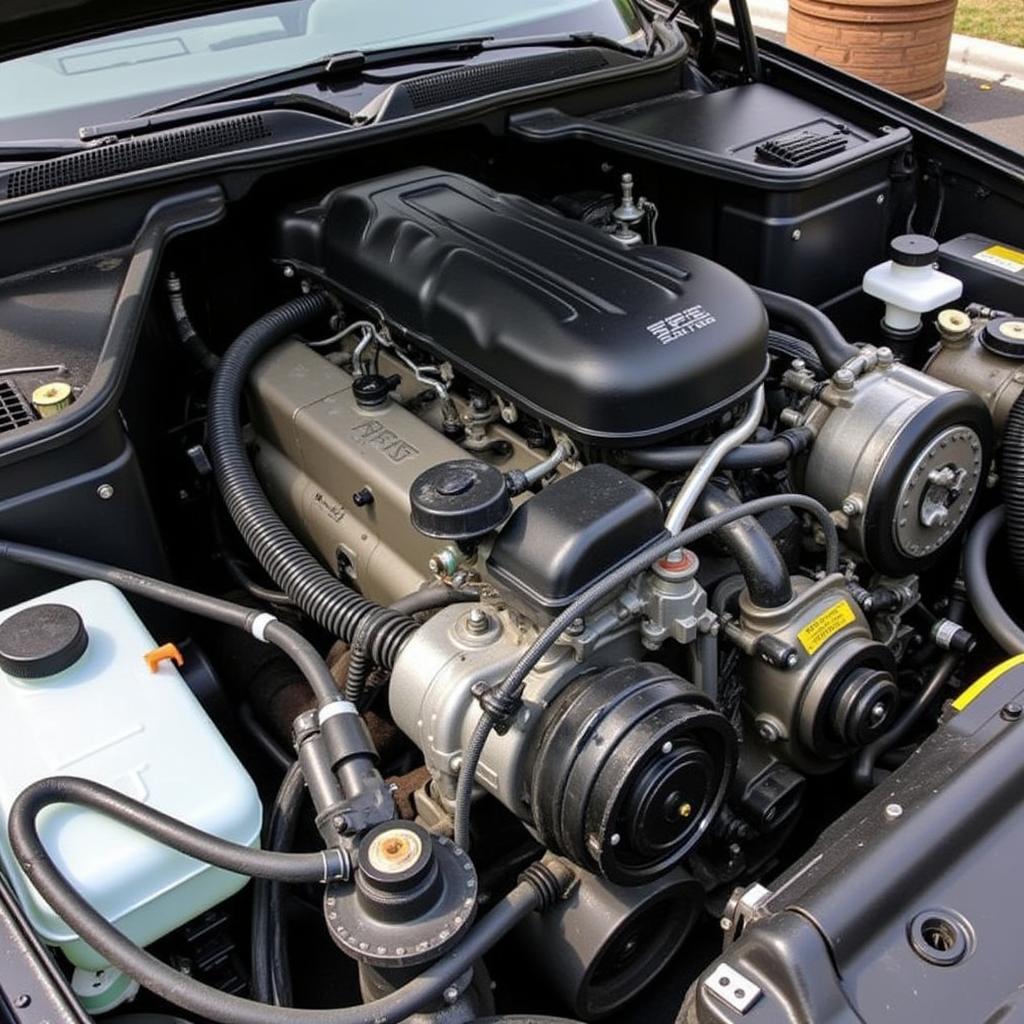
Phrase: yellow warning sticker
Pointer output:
(826, 625)
(1002, 256)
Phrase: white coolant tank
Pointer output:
(909, 284)
(89, 705)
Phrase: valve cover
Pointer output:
(616, 346)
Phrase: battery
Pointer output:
(992, 272)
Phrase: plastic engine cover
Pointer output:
(615, 346)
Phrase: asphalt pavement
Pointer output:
(988, 108)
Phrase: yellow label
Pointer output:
(980, 685)
(826, 625)
(1002, 256)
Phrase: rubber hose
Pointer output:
(211, 1003)
(509, 689)
(66, 789)
(336, 607)
(1012, 474)
(864, 766)
(271, 981)
(764, 570)
(756, 455)
(426, 599)
(826, 339)
(249, 620)
(985, 603)
(190, 339)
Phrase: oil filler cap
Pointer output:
(461, 500)
(41, 641)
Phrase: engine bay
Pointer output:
(567, 528)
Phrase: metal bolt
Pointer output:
(288, 270)
(614, 839)
(1011, 712)
(105, 492)
(451, 995)
(844, 378)
(796, 234)
(852, 506)
(22, 1001)
(893, 811)
(478, 621)
(576, 627)
(885, 356)
(798, 365)
(878, 712)
(666, 747)
(338, 823)
(880, 198)
(768, 731)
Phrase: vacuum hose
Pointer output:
(539, 887)
(323, 597)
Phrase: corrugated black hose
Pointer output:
(322, 596)
(1012, 473)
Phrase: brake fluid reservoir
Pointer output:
(909, 284)
(78, 698)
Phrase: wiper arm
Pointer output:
(158, 122)
(354, 62)
(38, 149)
(347, 62)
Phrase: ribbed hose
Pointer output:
(323, 597)
(1012, 473)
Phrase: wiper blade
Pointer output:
(38, 149)
(354, 62)
(347, 62)
(157, 122)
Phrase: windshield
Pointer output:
(117, 75)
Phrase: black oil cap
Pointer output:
(1004, 336)
(913, 250)
(463, 499)
(41, 641)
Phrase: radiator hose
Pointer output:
(1012, 473)
(824, 337)
(336, 607)
(764, 571)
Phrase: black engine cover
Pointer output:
(615, 346)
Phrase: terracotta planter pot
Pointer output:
(902, 45)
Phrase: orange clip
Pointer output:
(166, 652)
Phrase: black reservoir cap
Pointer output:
(913, 250)
(577, 529)
(461, 500)
(41, 641)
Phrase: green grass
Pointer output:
(1000, 20)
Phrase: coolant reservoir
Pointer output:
(909, 284)
(78, 698)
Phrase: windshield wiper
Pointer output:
(354, 62)
(113, 131)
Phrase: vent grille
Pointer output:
(14, 410)
(483, 79)
(136, 154)
(802, 148)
